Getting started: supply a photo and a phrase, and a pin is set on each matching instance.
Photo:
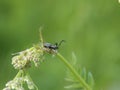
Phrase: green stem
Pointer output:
(31, 79)
(81, 80)
(19, 74)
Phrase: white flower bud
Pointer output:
(24, 58)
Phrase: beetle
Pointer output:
(53, 47)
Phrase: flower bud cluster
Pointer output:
(24, 58)
(17, 84)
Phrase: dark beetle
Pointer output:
(53, 47)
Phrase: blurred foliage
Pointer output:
(90, 28)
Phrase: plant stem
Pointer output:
(31, 79)
(81, 80)
(20, 72)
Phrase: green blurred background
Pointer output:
(91, 29)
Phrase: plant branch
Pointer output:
(70, 67)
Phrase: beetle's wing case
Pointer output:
(47, 45)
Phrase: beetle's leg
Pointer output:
(56, 44)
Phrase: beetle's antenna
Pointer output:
(61, 42)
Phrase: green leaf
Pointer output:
(84, 73)
(73, 86)
(90, 79)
